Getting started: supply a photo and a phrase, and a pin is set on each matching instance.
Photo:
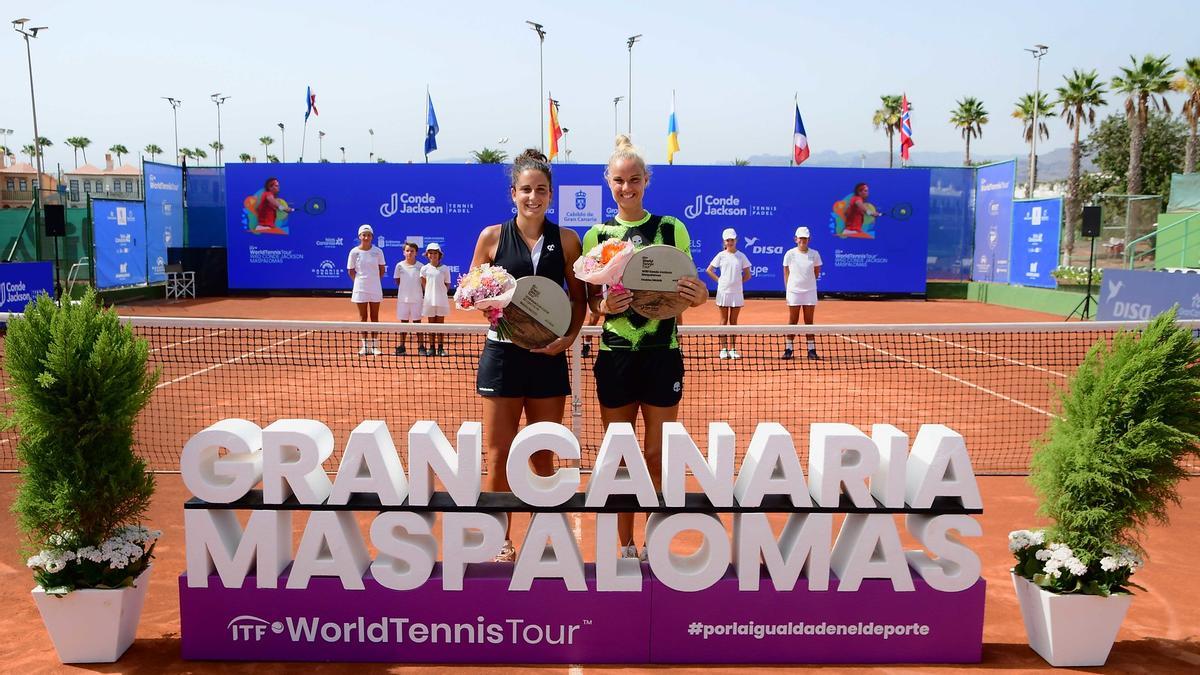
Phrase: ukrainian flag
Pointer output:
(672, 134)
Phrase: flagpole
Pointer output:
(671, 158)
(792, 150)
(303, 138)
(426, 142)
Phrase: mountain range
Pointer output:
(1053, 165)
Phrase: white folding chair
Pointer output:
(180, 283)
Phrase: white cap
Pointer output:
(433, 246)
(365, 228)
(729, 233)
(802, 231)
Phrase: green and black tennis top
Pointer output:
(630, 331)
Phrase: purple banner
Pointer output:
(486, 623)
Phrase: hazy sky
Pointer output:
(735, 67)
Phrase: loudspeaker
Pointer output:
(56, 220)
(1091, 221)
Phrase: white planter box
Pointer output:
(1070, 630)
(93, 625)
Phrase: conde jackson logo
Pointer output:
(405, 203)
(715, 205)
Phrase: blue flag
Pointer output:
(431, 126)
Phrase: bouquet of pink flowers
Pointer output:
(605, 264)
(488, 288)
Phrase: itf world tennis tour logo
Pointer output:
(812, 592)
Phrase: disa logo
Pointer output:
(752, 246)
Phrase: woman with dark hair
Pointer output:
(269, 206)
(640, 367)
(511, 379)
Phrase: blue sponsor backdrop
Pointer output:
(164, 215)
(120, 234)
(20, 283)
(1139, 295)
(951, 223)
(449, 204)
(993, 221)
(205, 207)
(1036, 225)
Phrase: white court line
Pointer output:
(233, 360)
(994, 356)
(948, 376)
(187, 341)
(575, 670)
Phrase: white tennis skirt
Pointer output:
(799, 298)
(730, 297)
(359, 296)
(408, 311)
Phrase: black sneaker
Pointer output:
(812, 355)
(587, 349)
(421, 351)
(787, 353)
(401, 351)
(442, 351)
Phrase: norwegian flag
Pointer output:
(906, 140)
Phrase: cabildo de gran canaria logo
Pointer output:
(327, 270)
(714, 205)
(405, 203)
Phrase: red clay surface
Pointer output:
(757, 311)
(1158, 636)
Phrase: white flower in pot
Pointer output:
(1108, 466)
(78, 380)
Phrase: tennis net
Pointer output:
(993, 383)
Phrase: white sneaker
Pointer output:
(362, 350)
(724, 353)
(629, 551)
(645, 556)
(733, 354)
(375, 348)
(507, 553)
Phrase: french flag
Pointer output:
(799, 140)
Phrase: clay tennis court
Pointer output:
(887, 382)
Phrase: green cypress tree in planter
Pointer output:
(78, 380)
(1107, 468)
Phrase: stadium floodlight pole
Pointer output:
(175, 103)
(1038, 51)
(320, 146)
(19, 26)
(541, 33)
(219, 99)
(616, 100)
(371, 157)
(630, 41)
(282, 142)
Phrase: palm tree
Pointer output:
(1024, 112)
(272, 159)
(152, 150)
(78, 143)
(1143, 86)
(1079, 98)
(217, 147)
(43, 143)
(118, 150)
(1189, 83)
(266, 143)
(28, 151)
(199, 153)
(969, 117)
(888, 117)
(737, 161)
(244, 157)
(187, 153)
(489, 156)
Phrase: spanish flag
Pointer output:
(672, 133)
(555, 130)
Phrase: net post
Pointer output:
(576, 388)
